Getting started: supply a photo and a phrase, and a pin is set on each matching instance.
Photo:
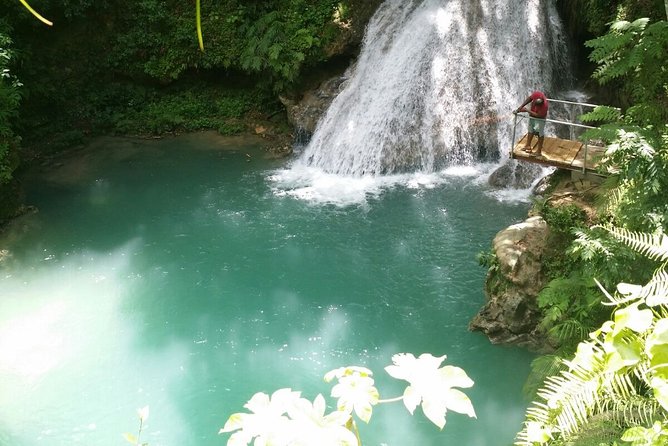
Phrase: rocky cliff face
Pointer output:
(510, 314)
(305, 109)
(304, 113)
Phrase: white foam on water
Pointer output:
(319, 187)
(512, 195)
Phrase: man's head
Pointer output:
(538, 101)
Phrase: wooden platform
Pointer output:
(562, 153)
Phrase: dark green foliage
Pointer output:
(634, 55)
(638, 53)
(571, 309)
(602, 114)
(273, 41)
(10, 99)
(156, 41)
(594, 16)
(562, 219)
(608, 260)
(280, 41)
(603, 430)
(638, 158)
(189, 110)
(488, 260)
(108, 67)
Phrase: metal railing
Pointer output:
(571, 125)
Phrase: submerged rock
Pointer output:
(511, 314)
(514, 175)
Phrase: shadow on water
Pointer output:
(214, 289)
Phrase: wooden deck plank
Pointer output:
(594, 155)
(562, 153)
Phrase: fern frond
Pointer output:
(602, 113)
(542, 367)
(601, 429)
(610, 196)
(654, 246)
(602, 133)
(635, 410)
(618, 385)
(569, 331)
(569, 400)
(656, 291)
(572, 395)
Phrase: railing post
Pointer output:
(512, 143)
(571, 116)
(584, 164)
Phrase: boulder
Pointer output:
(510, 314)
(514, 175)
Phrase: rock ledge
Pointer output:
(511, 314)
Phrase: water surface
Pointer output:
(177, 274)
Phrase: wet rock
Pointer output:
(513, 174)
(304, 114)
(542, 186)
(510, 314)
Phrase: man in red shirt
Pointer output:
(537, 113)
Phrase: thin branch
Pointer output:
(199, 25)
(42, 19)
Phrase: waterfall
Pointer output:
(435, 85)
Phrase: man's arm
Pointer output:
(521, 107)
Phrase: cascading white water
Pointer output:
(436, 83)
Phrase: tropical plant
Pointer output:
(488, 259)
(592, 17)
(562, 219)
(285, 418)
(10, 99)
(610, 261)
(280, 42)
(633, 54)
(632, 58)
(571, 309)
(620, 374)
(636, 53)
